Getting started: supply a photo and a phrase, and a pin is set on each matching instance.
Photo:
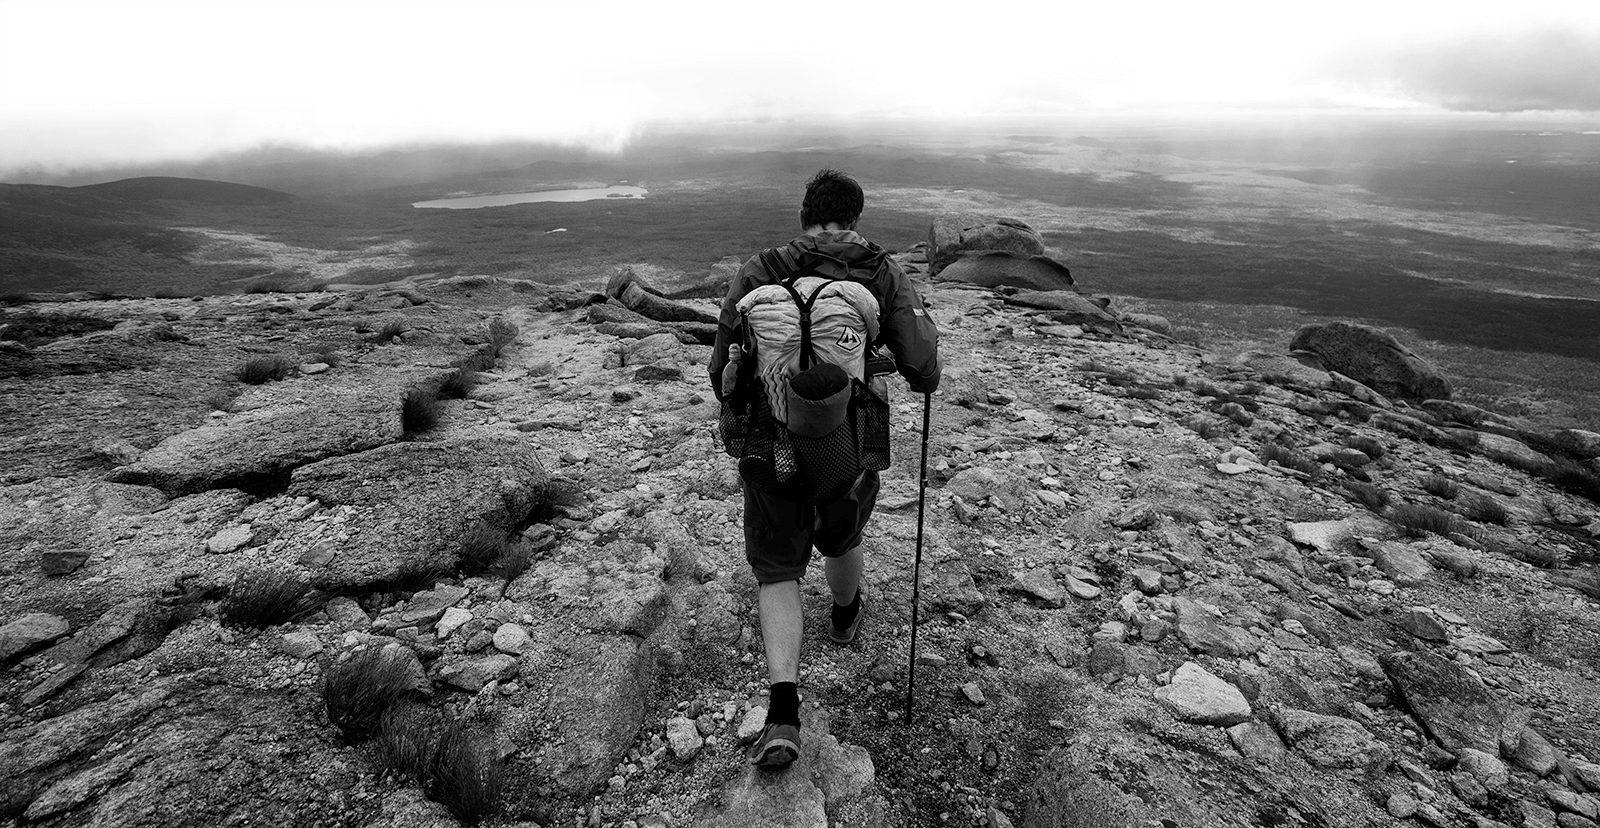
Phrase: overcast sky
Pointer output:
(86, 82)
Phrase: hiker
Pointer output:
(804, 413)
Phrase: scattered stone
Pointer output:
(931, 660)
(512, 639)
(1331, 741)
(231, 539)
(1588, 772)
(1201, 632)
(30, 632)
(1422, 623)
(1487, 768)
(657, 373)
(345, 614)
(754, 721)
(1147, 580)
(973, 693)
(1452, 704)
(427, 607)
(1040, 584)
(1136, 517)
(1195, 695)
(1401, 806)
(684, 738)
(472, 675)
(450, 621)
(1258, 741)
(300, 644)
(1579, 804)
(56, 562)
(1403, 564)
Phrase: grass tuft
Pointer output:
(257, 370)
(481, 546)
(1288, 458)
(419, 411)
(501, 333)
(359, 690)
(457, 384)
(1367, 445)
(1368, 495)
(542, 369)
(389, 332)
(463, 776)
(1417, 520)
(1441, 487)
(264, 597)
(1572, 476)
(407, 733)
(1485, 509)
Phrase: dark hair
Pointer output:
(831, 196)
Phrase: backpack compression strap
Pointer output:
(779, 270)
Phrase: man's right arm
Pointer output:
(909, 332)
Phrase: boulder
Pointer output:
(596, 705)
(1374, 358)
(1148, 321)
(661, 309)
(412, 503)
(1258, 741)
(1195, 695)
(1284, 369)
(1403, 564)
(253, 449)
(1452, 705)
(30, 632)
(1067, 307)
(953, 234)
(1202, 632)
(1330, 741)
(829, 778)
(995, 270)
(1510, 452)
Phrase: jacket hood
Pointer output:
(846, 248)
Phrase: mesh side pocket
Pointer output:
(733, 423)
(872, 420)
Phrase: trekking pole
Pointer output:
(916, 568)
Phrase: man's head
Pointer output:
(831, 197)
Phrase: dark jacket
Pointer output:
(904, 326)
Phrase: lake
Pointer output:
(616, 193)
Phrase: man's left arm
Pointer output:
(909, 332)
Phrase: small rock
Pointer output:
(1589, 772)
(755, 719)
(1040, 584)
(314, 367)
(512, 639)
(1147, 580)
(478, 641)
(931, 660)
(1258, 741)
(657, 373)
(1533, 752)
(427, 607)
(472, 675)
(62, 561)
(1422, 623)
(1402, 806)
(684, 738)
(1578, 804)
(1136, 517)
(973, 693)
(1574, 821)
(231, 539)
(300, 644)
(1195, 695)
(30, 632)
(346, 614)
(318, 556)
(1486, 768)
(450, 621)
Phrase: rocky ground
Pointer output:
(1160, 586)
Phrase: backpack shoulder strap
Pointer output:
(784, 274)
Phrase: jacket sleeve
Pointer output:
(909, 332)
(729, 322)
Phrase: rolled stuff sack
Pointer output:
(818, 400)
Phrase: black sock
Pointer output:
(844, 616)
(783, 704)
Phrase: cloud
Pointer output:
(1547, 69)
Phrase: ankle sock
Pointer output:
(783, 704)
(844, 616)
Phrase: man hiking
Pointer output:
(848, 296)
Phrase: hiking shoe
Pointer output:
(846, 634)
(778, 746)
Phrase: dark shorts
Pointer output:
(779, 534)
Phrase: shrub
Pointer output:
(542, 369)
(1143, 393)
(407, 734)
(1537, 556)
(463, 776)
(1485, 509)
(1205, 425)
(1366, 445)
(1368, 495)
(481, 546)
(359, 690)
(501, 333)
(1417, 520)
(1288, 458)
(268, 286)
(458, 384)
(257, 370)
(1572, 476)
(221, 399)
(326, 356)
(1441, 487)
(390, 330)
(419, 411)
(263, 597)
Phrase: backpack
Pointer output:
(798, 326)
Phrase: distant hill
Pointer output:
(168, 188)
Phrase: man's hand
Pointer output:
(730, 372)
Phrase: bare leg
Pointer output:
(844, 576)
(781, 624)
